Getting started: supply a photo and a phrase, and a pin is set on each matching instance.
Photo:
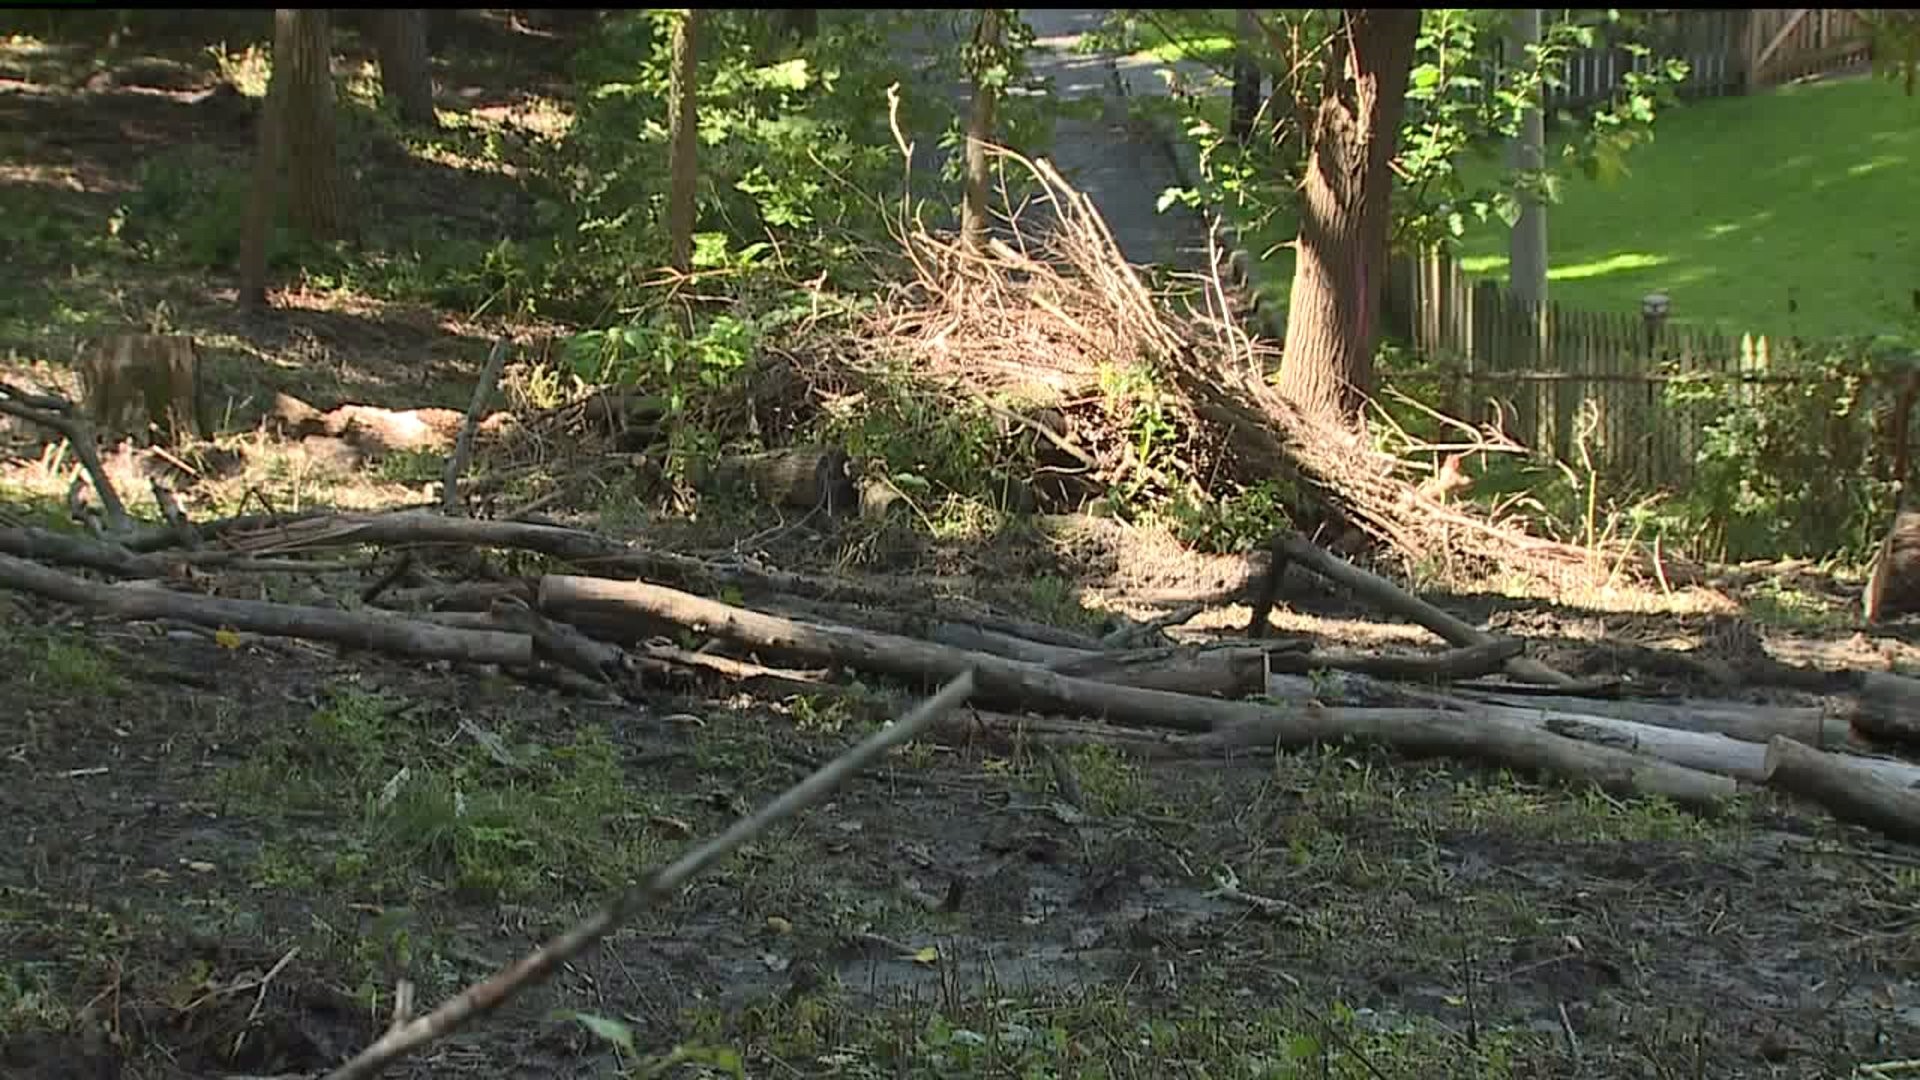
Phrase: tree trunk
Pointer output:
(302, 53)
(800, 24)
(263, 195)
(973, 210)
(1246, 76)
(1327, 368)
(1527, 246)
(406, 73)
(682, 140)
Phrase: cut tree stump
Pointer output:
(1893, 588)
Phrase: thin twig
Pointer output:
(489, 994)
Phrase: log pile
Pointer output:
(606, 633)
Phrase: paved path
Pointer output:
(1123, 166)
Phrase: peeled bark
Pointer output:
(1327, 368)
(682, 140)
(406, 72)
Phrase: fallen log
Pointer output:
(381, 633)
(1497, 739)
(1751, 723)
(1845, 790)
(1385, 594)
(1887, 706)
(1010, 683)
(70, 549)
(1633, 725)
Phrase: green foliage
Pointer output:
(1238, 522)
(1895, 34)
(793, 147)
(1802, 469)
(1464, 100)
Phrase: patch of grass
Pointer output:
(1101, 1032)
(1056, 601)
(560, 817)
(1776, 604)
(1743, 206)
(72, 666)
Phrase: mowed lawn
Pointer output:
(1795, 211)
(1809, 194)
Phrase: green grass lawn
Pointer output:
(1810, 193)
(1807, 197)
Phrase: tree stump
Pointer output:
(1893, 588)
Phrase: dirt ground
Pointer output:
(231, 854)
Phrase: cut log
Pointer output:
(1887, 706)
(380, 633)
(1847, 792)
(1027, 686)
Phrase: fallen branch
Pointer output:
(463, 442)
(1847, 791)
(1032, 687)
(1385, 594)
(1526, 747)
(483, 997)
(59, 415)
(381, 633)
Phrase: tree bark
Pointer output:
(1527, 246)
(406, 73)
(973, 210)
(1327, 368)
(682, 140)
(1246, 76)
(302, 53)
(800, 24)
(263, 193)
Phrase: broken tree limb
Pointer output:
(1385, 594)
(601, 604)
(463, 442)
(1030, 687)
(489, 994)
(1847, 792)
(58, 414)
(69, 549)
(381, 633)
(1465, 663)
(563, 646)
(1502, 741)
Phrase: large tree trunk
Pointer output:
(302, 55)
(1246, 76)
(406, 74)
(973, 209)
(682, 140)
(263, 194)
(1527, 246)
(1341, 254)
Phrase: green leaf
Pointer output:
(611, 1031)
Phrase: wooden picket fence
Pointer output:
(1565, 382)
(1728, 51)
